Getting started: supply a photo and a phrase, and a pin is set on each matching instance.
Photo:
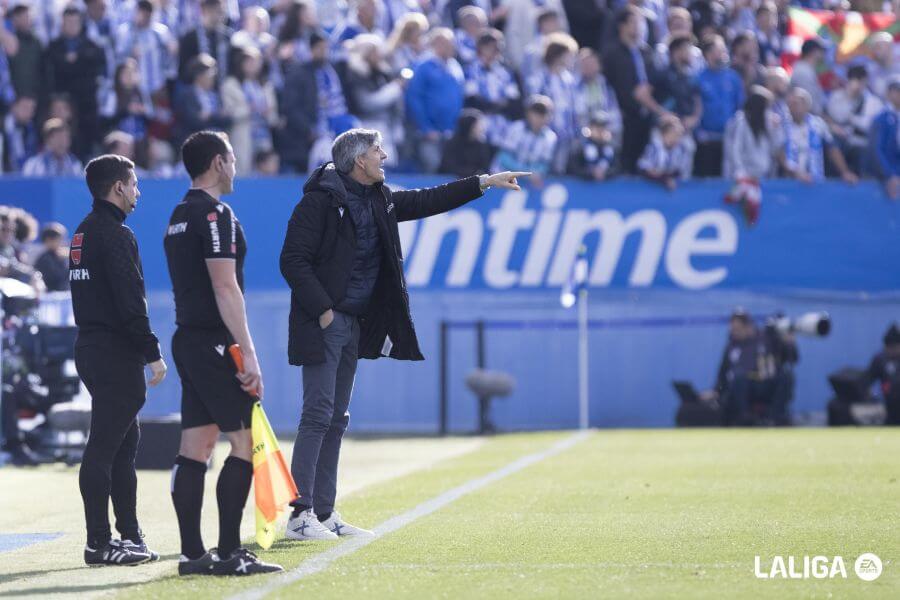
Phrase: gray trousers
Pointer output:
(326, 396)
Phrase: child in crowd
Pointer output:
(530, 144)
(596, 158)
(669, 156)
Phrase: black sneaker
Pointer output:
(114, 554)
(135, 547)
(243, 562)
(198, 566)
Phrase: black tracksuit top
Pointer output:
(107, 281)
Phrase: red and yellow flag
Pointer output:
(847, 32)
(273, 485)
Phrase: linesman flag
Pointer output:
(273, 486)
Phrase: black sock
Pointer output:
(323, 516)
(231, 492)
(187, 496)
(298, 508)
(133, 536)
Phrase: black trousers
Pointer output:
(9, 423)
(114, 376)
(636, 134)
(774, 394)
(892, 404)
(708, 159)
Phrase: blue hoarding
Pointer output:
(654, 255)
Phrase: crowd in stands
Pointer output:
(37, 259)
(665, 89)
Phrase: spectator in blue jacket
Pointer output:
(885, 143)
(722, 94)
(435, 97)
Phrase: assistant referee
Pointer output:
(114, 343)
(205, 249)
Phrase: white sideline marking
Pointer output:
(323, 560)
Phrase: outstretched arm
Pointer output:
(418, 204)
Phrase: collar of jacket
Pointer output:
(327, 179)
(106, 207)
(354, 187)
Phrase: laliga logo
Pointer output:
(867, 567)
(528, 248)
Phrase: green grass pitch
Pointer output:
(622, 514)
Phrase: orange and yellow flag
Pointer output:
(273, 485)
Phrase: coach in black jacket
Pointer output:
(343, 262)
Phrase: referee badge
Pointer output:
(75, 249)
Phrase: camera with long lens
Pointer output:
(812, 324)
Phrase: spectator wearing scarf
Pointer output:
(151, 44)
(492, 88)
(556, 81)
(212, 38)
(806, 140)
(20, 134)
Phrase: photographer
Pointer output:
(885, 368)
(756, 372)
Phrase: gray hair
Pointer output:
(802, 94)
(351, 144)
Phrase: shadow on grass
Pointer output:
(66, 589)
(10, 577)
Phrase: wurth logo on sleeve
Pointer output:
(213, 219)
(176, 228)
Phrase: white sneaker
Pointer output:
(338, 526)
(306, 526)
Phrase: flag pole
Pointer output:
(583, 417)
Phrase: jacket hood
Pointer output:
(326, 179)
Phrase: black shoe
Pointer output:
(243, 562)
(137, 547)
(198, 566)
(114, 554)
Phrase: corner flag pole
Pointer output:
(583, 420)
(575, 292)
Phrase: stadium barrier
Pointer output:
(655, 256)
